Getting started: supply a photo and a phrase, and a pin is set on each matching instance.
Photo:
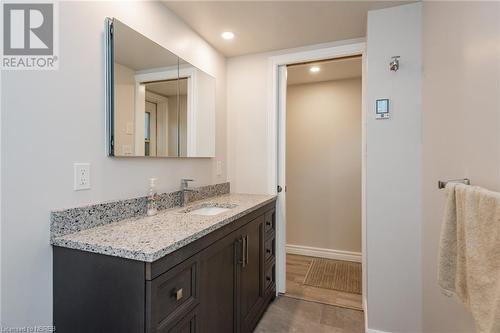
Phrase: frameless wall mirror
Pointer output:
(158, 105)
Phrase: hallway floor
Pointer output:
(288, 314)
(310, 309)
(296, 270)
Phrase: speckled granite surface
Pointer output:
(68, 221)
(208, 191)
(150, 238)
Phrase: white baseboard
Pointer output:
(375, 331)
(323, 253)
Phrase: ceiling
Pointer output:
(138, 52)
(262, 26)
(168, 88)
(336, 69)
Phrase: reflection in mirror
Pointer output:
(145, 79)
(158, 104)
(167, 118)
(197, 133)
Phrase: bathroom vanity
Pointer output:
(177, 271)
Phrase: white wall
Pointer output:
(461, 129)
(247, 123)
(124, 104)
(64, 111)
(323, 165)
(201, 122)
(394, 171)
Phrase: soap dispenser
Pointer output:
(152, 198)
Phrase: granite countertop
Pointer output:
(151, 238)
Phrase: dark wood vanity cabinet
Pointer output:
(222, 282)
(251, 288)
(219, 264)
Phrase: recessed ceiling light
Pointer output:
(227, 35)
(314, 69)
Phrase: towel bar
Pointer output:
(442, 184)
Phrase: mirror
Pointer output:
(158, 105)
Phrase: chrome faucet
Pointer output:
(185, 189)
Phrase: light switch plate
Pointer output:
(81, 176)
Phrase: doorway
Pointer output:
(323, 181)
(306, 259)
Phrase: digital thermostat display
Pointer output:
(382, 109)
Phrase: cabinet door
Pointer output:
(189, 324)
(218, 265)
(251, 275)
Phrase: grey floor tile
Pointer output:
(289, 315)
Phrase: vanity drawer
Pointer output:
(270, 277)
(269, 248)
(189, 324)
(173, 294)
(270, 221)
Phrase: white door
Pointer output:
(150, 137)
(281, 202)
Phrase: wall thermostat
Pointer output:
(382, 109)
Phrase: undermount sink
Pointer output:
(209, 211)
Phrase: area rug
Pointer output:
(338, 275)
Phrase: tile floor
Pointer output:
(296, 269)
(287, 315)
(311, 310)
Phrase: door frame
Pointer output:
(276, 145)
(169, 73)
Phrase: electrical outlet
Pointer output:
(219, 168)
(81, 176)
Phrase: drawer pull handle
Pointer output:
(246, 251)
(268, 223)
(268, 250)
(268, 278)
(178, 294)
(243, 252)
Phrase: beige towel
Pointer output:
(469, 254)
